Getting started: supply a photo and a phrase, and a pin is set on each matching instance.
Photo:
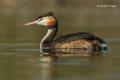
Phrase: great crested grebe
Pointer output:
(80, 40)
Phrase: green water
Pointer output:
(19, 45)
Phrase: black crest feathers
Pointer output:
(47, 14)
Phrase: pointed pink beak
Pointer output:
(31, 23)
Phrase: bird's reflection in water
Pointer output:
(52, 59)
(49, 65)
(70, 52)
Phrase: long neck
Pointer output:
(49, 36)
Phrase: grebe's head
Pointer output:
(47, 20)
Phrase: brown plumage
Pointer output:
(76, 40)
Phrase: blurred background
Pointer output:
(72, 15)
(19, 44)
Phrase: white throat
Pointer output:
(49, 36)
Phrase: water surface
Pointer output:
(21, 63)
(19, 45)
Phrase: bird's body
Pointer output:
(80, 40)
(75, 40)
